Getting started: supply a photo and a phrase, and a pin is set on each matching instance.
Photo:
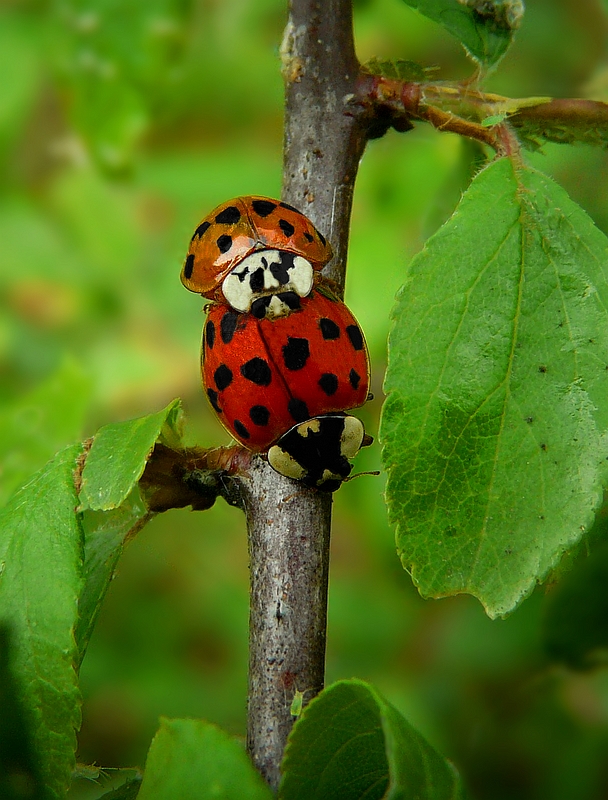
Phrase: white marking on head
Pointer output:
(277, 308)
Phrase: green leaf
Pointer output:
(40, 580)
(128, 791)
(485, 28)
(105, 533)
(109, 783)
(494, 427)
(113, 508)
(35, 427)
(351, 743)
(575, 630)
(19, 776)
(118, 456)
(191, 758)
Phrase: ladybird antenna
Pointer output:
(359, 474)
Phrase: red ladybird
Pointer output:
(282, 357)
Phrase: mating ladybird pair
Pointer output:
(282, 357)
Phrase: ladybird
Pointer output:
(317, 451)
(265, 375)
(240, 227)
(282, 358)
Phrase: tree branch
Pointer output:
(463, 109)
(325, 135)
(289, 525)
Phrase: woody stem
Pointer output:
(288, 524)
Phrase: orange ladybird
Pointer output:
(239, 227)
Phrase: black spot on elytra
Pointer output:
(322, 238)
(228, 326)
(204, 226)
(259, 415)
(308, 236)
(329, 383)
(286, 227)
(241, 429)
(257, 371)
(354, 378)
(295, 353)
(212, 395)
(229, 216)
(289, 208)
(263, 207)
(210, 334)
(355, 336)
(222, 377)
(224, 243)
(329, 329)
(298, 409)
(188, 267)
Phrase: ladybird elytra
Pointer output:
(284, 365)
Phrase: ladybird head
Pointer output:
(241, 227)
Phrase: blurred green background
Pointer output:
(121, 125)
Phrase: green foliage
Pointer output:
(41, 558)
(19, 64)
(494, 428)
(398, 70)
(19, 776)
(128, 791)
(484, 28)
(40, 423)
(114, 72)
(183, 101)
(191, 758)
(111, 502)
(575, 627)
(49, 597)
(92, 782)
(118, 456)
(350, 743)
(105, 533)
